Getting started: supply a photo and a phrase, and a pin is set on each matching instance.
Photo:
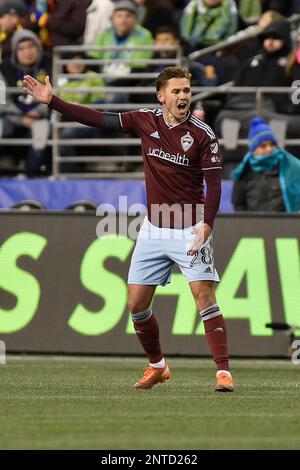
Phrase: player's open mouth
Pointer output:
(182, 106)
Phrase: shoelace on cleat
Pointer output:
(147, 373)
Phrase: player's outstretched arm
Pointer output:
(73, 112)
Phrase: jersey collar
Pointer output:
(175, 125)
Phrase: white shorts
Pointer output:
(158, 249)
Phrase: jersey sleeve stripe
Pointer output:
(206, 128)
(120, 117)
(201, 123)
(208, 131)
(202, 126)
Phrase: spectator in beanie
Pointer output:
(24, 117)
(125, 31)
(268, 178)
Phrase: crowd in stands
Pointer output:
(30, 29)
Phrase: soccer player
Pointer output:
(179, 151)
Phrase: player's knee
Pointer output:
(137, 306)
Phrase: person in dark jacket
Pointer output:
(266, 69)
(159, 13)
(67, 22)
(268, 178)
(22, 116)
(11, 15)
(282, 6)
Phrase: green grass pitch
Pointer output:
(55, 402)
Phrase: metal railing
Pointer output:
(103, 160)
(237, 38)
(258, 96)
(56, 142)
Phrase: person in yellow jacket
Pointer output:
(92, 80)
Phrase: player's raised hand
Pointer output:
(40, 92)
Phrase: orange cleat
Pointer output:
(153, 376)
(224, 383)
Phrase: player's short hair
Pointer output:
(171, 72)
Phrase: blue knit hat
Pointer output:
(259, 132)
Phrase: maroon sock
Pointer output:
(216, 335)
(148, 335)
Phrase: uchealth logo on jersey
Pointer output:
(187, 141)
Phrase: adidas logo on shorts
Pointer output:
(208, 270)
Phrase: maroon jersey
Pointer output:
(175, 160)
(175, 157)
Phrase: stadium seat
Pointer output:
(28, 204)
(82, 206)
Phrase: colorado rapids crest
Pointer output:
(187, 141)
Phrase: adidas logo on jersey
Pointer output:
(155, 135)
(208, 270)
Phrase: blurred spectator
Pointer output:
(179, 5)
(249, 11)
(295, 7)
(67, 22)
(207, 22)
(293, 65)
(207, 71)
(281, 6)
(252, 46)
(265, 69)
(158, 13)
(267, 17)
(98, 19)
(124, 32)
(140, 9)
(268, 178)
(23, 117)
(91, 80)
(79, 97)
(165, 36)
(37, 17)
(11, 14)
(199, 111)
(289, 109)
